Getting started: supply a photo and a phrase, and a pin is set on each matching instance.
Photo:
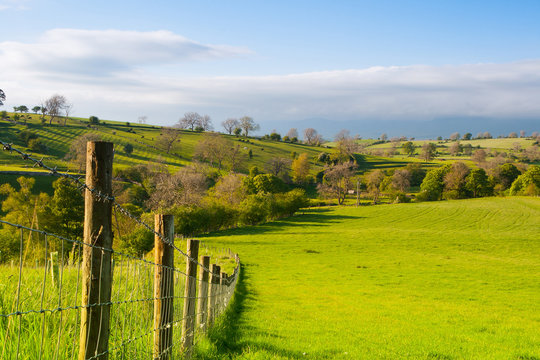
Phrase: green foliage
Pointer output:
(432, 186)
(128, 149)
(478, 183)
(528, 183)
(268, 183)
(138, 242)
(275, 136)
(409, 148)
(26, 136)
(37, 145)
(506, 174)
(94, 120)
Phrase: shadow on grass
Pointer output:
(227, 339)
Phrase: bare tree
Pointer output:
(342, 135)
(235, 157)
(142, 119)
(401, 180)
(479, 156)
(337, 180)
(2, 97)
(292, 133)
(213, 148)
(455, 179)
(230, 124)
(429, 151)
(522, 133)
(276, 165)
(455, 148)
(190, 120)
(55, 105)
(230, 189)
(77, 150)
(67, 110)
(512, 135)
(311, 137)
(454, 136)
(346, 145)
(247, 124)
(373, 181)
(384, 137)
(206, 123)
(167, 139)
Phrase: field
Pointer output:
(444, 280)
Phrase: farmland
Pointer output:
(444, 280)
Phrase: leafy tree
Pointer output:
(401, 180)
(94, 120)
(36, 109)
(506, 174)
(408, 148)
(337, 180)
(128, 149)
(230, 189)
(23, 108)
(66, 210)
(300, 169)
(26, 136)
(213, 148)
(454, 136)
(527, 183)
(38, 146)
(230, 125)
(455, 148)
(138, 242)
(432, 186)
(478, 183)
(247, 124)
(237, 131)
(275, 136)
(467, 136)
(373, 181)
(268, 183)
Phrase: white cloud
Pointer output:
(106, 73)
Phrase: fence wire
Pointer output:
(41, 299)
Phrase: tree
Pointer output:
(94, 120)
(168, 138)
(429, 151)
(337, 180)
(384, 137)
(235, 157)
(311, 137)
(467, 136)
(206, 123)
(455, 148)
(373, 181)
(23, 109)
(454, 136)
(487, 135)
(230, 189)
(55, 105)
(432, 186)
(128, 149)
(276, 165)
(36, 109)
(213, 148)
(292, 133)
(527, 183)
(454, 181)
(401, 180)
(300, 169)
(237, 131)
(522, 133)
(506, 174)
(247, 124)
(77, 150)
(2, 97)
(275, 136)
(346, 146)
(142, 119)
(479, 156)
(190, 120)
(408, 148)
(513, 135)
(230, 125)
(478, 183)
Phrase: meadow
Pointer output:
(443, 280)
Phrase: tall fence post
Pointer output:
(190, 297)
(163, 286)
(96, 265)
(54, 269)
(212, 294)
(222, 282)
(202, 306)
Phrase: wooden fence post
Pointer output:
(202, 308)
(212, 294)
(96, 265)
(222, 282)
(54, 269)
(190, 294)
(163, 287)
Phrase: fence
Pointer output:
(84, 300)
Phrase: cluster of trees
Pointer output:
(240, 126)
(56, 107)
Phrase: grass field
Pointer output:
(443, 280)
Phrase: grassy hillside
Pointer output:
(58, 139)
(444, 280)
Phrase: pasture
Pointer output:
(443, 280)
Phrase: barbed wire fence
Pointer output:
(84, 300)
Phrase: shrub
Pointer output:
(527, 183)
(138, 242)
(37, 146)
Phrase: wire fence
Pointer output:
(84, 300)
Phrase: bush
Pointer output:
(138, 242)
(128, 149)
(37, 146)
(527, 183)
(26, 136)
(94, 120)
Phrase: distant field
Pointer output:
(444, 280)
(499, 144)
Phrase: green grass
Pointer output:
(443, 280)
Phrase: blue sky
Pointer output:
(279, 61)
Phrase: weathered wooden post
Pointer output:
(202, 308)
(213, 293)
(190, 296)
(96, 265)
(222, 291)
(163, 286)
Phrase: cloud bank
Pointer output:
(114, 73)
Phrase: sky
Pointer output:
(284, 63)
